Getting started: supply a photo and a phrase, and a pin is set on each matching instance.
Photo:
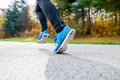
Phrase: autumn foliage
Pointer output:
(97, 18)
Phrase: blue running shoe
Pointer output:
(62, 39)
(43, 36)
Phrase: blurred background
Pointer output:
(91, 18)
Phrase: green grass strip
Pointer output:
(72, 42)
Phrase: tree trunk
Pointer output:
(88, 22)
(115, 17)
(119, 17)
(82, 28)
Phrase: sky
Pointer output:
(5, 3)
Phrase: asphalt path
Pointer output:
(33, 61)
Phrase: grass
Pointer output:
(88, 40)
(94, 40)
(19, 39)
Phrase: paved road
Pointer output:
(32, 61)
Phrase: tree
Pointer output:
(12, 26)
(63, 6)
(114, 6)
(1, 28)
(1, 20)
(84, 8)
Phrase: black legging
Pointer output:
(46, 10)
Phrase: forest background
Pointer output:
(90, 18)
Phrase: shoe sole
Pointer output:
(65, 42)
(43, 40)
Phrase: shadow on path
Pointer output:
(69, 67)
